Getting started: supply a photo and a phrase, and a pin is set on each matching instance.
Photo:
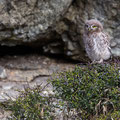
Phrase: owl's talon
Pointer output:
(100, 61)
(95, 62)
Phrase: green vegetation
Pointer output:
(87, 88)
(93, 91)
(31, 105)
(110, 116)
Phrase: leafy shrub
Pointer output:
(85, 87)
(31, 105)
(110, 116)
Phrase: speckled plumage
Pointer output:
(97, 43)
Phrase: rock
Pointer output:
(3, 73)
(57, 26)
(27, 72)
(116, 51)
(4, 114)
(23, 22)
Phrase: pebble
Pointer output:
(3, 73)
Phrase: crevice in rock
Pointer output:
(19, 50)
(23, 50)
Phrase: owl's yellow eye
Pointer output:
(94, 26)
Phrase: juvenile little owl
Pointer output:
(97, 43)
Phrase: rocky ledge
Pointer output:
(56, 26)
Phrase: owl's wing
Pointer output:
(106, 39)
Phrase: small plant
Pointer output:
(31, 105)
(110, 116)
(90, 89)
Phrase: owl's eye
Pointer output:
(94, 26)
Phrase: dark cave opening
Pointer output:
(19, 50)
(23, 50)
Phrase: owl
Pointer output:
(96, 41)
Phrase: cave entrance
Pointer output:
(19, 50)
(23, 50)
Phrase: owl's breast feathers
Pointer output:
(98, 40)
(97, 45)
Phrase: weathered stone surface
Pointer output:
(26, 21)
(3, 73)
(57, 25)
(27, 71)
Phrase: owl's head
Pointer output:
(93, 25)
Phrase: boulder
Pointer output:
(30, 21)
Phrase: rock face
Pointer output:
(57, 25)
(26, 21)
(27, 71)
